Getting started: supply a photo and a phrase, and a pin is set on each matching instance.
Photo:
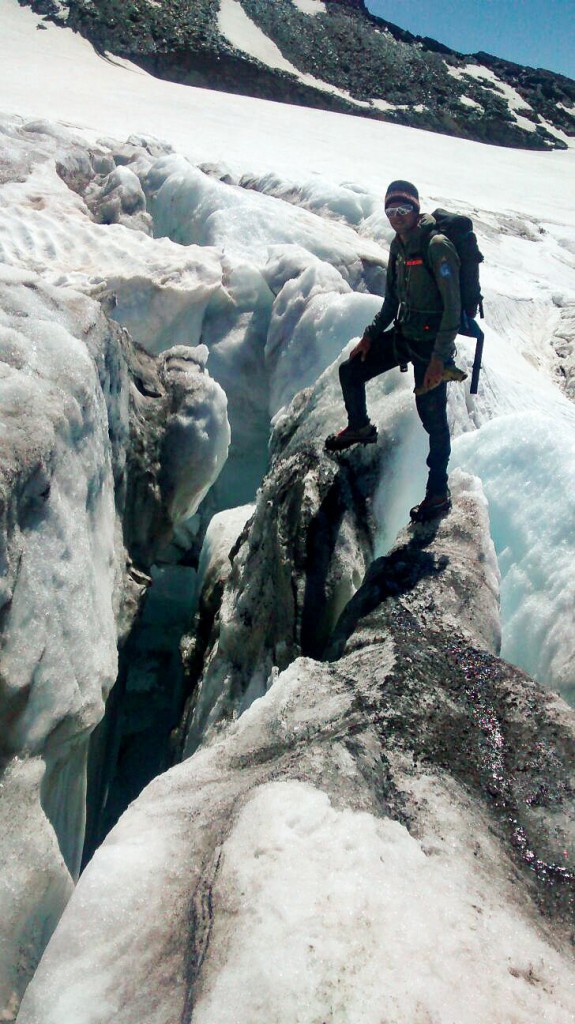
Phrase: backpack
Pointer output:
(459, 230)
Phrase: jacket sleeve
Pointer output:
(388, 311)
(445, 267)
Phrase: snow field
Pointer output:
(248, 135)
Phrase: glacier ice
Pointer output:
(271, 272)
(193, 208)
(75, 394)
(35, 884)
(527, 469)
(197, 432)
(313, 316)
(272, 837)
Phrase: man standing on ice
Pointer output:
(422, 300)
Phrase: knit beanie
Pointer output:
(401, 192)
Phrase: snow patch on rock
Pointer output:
(243, 33)
(310, 6)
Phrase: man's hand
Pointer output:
(361, 349)
(434, 373)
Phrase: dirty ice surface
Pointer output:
(344, 891)
(315, 873)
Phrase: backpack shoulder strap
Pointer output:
(428, 231)
(392, 255)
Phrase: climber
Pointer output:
(422, 300)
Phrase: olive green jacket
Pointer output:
(422, 292)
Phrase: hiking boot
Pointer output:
(351, 435)
(450, 373)
(432, 506)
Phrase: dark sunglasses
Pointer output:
(398, 211)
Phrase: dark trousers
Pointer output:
(383, 355)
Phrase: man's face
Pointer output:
(401, 222)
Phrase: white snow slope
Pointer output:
(273, 280)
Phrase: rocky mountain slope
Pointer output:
(334, 55)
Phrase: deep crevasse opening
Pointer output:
(284, 312)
